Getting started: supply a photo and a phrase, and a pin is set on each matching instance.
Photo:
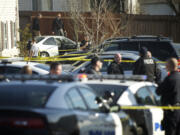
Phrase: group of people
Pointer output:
(169, 89)
(55, 69)
(145, 65)
(57, 26)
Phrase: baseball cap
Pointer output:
(95, 59)
(143, 51)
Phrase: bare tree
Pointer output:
(100, 24)
(175, 5)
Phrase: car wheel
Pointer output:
(44, 54)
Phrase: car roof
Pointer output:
(113, 82)
(38, 83)
(132, 85)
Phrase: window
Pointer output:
(101, 88)
(160, 50)
(42, 5)
(39, 39)
(50, 41)
(143, 97)
(25, 95)
(89, 97)
(13, 34)
(156, 97)
(112, 47)
(12, 70)
(74, 100)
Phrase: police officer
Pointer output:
(147, 66)
(96, 65)
(169, 90)
(115, 67)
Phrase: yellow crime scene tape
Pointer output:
(150, 107)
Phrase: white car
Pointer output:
(7, 67)
(133, 93)
(54, 45)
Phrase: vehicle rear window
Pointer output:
(43, 66)
(25, 95)
(39, 39)
(101, 88)
(161, 50)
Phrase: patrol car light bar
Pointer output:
(68, 78)
(118, 77)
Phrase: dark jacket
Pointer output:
(115, 68)
(57, 25)
(169, 89)
(83, 43)
(35, 25)
(91, 70)
(147, 66)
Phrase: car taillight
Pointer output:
(23, 122)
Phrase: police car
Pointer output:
(46, 107)
(130, 92)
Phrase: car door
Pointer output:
(103, 123)
(145, 97)
(50, 46)
(157, 114)
(75, 101)
(68, 45)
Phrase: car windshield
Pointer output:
(39, 39)
(25, 95)
(101, 88)
(43, 66)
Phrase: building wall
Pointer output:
(155, 7)
(25, 5)
(53, 5)
(8, 27)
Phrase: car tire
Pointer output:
(44, 54)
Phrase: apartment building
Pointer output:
(9, 25)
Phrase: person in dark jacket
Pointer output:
(115, 67)
(147, 66)
(169, 90)
(58, 26)
(36, 25)
(85, 44)
(96, 66)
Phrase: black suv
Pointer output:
(161, 48)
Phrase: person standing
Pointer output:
(115, 67)
(169, 90)
(36, 26)
(85, 44)
(58, 26)
(55, 68)
(96, 65)
(34, 49)
(147, 66)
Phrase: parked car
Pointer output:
(54, 45)
(14, 67)
(130, 92)
(128, 56)
(161, 48)
(48, 108)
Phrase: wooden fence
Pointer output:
(168, 26)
